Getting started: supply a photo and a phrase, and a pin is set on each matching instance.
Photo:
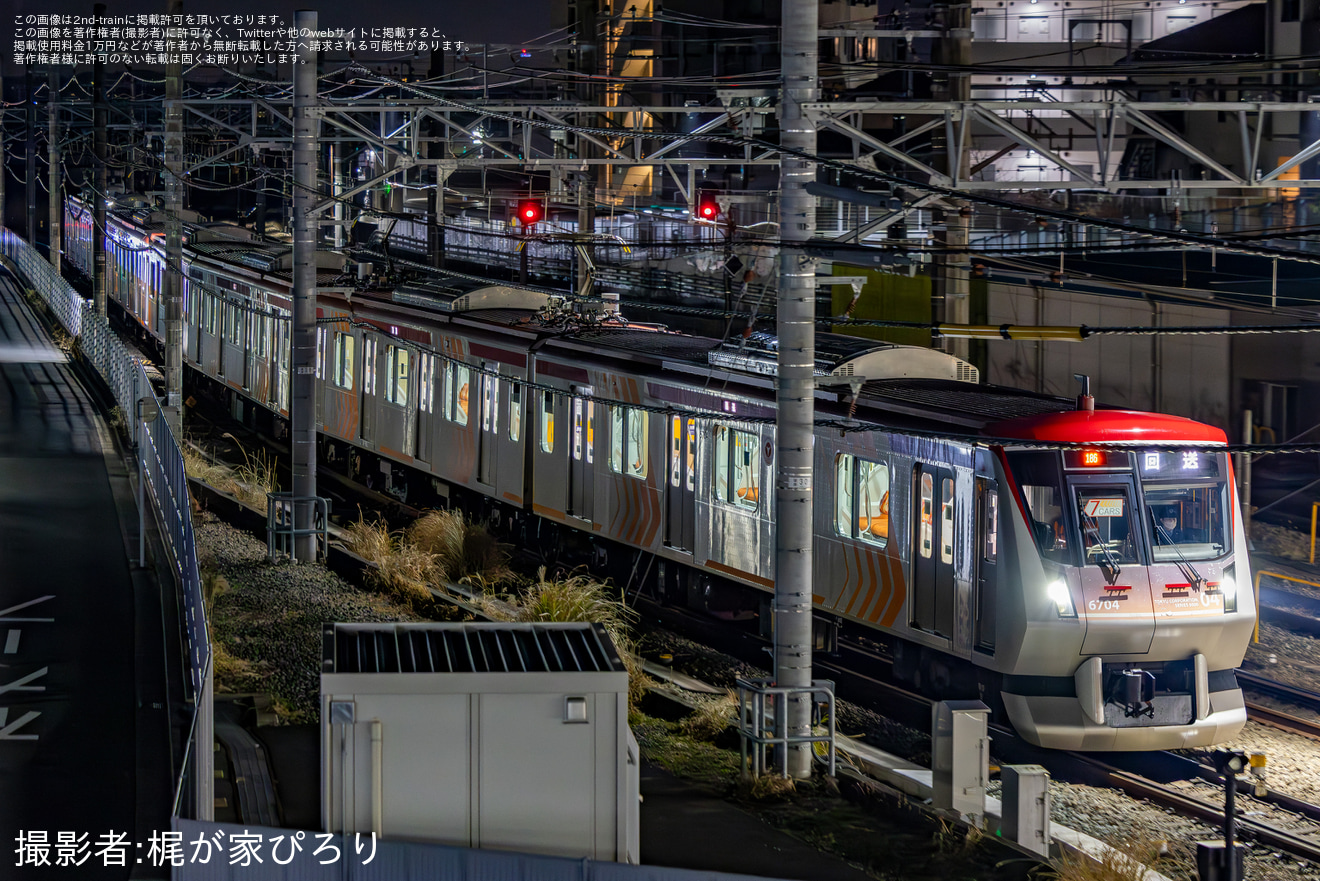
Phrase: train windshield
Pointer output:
(1041, 482)
(1186, 501)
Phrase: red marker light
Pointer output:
(529, 211)
(707, 207)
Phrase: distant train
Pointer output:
(1091, 595)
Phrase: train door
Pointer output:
(488, 436)
(581, 455)
(932, 552)
(426, 425)
(681, 485)
(987, 563)
(368, 408)
(283, 353)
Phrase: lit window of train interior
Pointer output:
(547, 422)
(515, 412)
(628, 428)
(868, 483)
(456, 393)
(1041, 482)
(736, 453)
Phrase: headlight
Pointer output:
(1228, 587)
(1062, 597)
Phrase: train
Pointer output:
(1092, 595)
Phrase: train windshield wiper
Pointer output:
(1184, 565)
(1109, 565)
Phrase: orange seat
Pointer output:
(749, 493)
(463, 398)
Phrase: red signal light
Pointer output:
(529, 211)
(707, 207)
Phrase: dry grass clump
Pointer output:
(233, 675)
(463, 551)
(1127, 860)
(769, 787)
(200, 467)
(250, 482)
(403, 570)
(255, 479)
(576, 598)
(711, 717)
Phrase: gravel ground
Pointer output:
(269, 618)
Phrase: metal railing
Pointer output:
(280, 531)
(163, 478)
(762, 724)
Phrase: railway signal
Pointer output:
(529, 212)
(707, 207)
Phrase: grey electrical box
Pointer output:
(1026, 803)
(507, 736)
(960, 752)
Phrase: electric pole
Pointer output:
(302, 411)
(99, 196)
(54, 210)
(796, 329)
(30, 158)
(173, 299)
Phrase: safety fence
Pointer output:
(160, 460)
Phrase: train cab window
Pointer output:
(515, 411)
(547, 422)
(457, 379)
(341, 371)
(1040, 479)
(873, 502)
(426, 382)
(628, 431)
(1105, 515)
(736, 467)
(927, 493)
(396, 375)
(1186, 500)
(946, 520)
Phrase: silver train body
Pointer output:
(1044, 580)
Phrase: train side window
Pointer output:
(1040, 480)
(396, 381)
(547, 422)
(675, 451)
(515, 411)
(736, 467)
(924, 547)
(990, 541)
(490, 397)
(692, 454)
(591, 432)
(425, 382)
(369, 365)
(320, 352)
(459, 379)
(342, 370)
(843, 495)
(628, 430)
(946, 520)
(873, 502)
(577, 428)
